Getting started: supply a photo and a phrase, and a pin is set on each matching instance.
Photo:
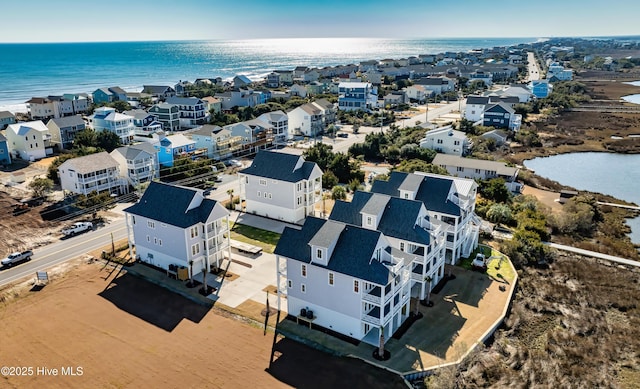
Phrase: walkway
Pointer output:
(593, 254)
(634, 207)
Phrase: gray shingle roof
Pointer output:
(90, 163)
(433, 191)
(184, 100)
(279, 166)
(351, 256)
(6, 114)
(170, 204)
(68, 121)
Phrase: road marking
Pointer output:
(80, 243)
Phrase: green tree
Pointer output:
(52, 171)
(40, 186)
(495, 189)
(413, 165)
(354, 185)
(499, 213)
(86, 138)
(338, 193)
(108, 141)
(329, 180)
(120, 105)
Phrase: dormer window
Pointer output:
(319, 253)
(369, 221)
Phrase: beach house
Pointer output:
(137, 163)
(281, 186)
(178, 226)
(107, 119)
(5, 156)
(144, 123)
(219, 143)
(343, 278)
(279, 122)
(354, 96)
(92, 173)
(63, 130)
(449, 200)
(6, 118)
(192, 111)
(29, 141)
(479, 169)
(168, 115)
(174, 146)
(446, 140)
(109, 95)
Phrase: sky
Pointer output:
(142, 20)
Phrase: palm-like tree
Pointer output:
(428, 279)
(230, 193)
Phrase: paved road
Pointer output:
(47, 256)
(534, 70)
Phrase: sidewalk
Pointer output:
(260, 222)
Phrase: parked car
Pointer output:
(77, 228)
(479, 263)
(343, 135)
(15, 258)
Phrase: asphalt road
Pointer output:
(53, 254)
(534, 70)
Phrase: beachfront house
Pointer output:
(449, 200)
(92, 173)
(446, 140)
(475, 107)
(219, 143)
(6, 118)
(107, 119)
(41, 108)
(307, 120)
(241, 81)
(174, 146)
(344, 278)
(407, 226)
(159, 92)
(29, 141)
(5, 156)
(478, 169)
(355, 96)
(137, 163)
(213, 104)
(281, 186)
(174, 225)
(109, 95)
(540, 88)
(192, 111)
(438, 85)
(63, 130)
(168, 115)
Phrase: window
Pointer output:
(259, 194)
(195, 249)
(356, 286)
(269, 196)
(456, 142)
(460, 169)
(439, 141)
(303, 288)
(331, 278)
(289, 283)
(160, 242)
(304, 270)
(319, 253)
(194, 231)
(133, 219)
(148, 238)
(299, 200)
(401, 246)
(263, 182)
(477, 171)
(368, 220)
(151, 224)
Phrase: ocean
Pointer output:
(41, 69)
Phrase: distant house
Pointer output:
(540, 88)
(307, 120)
(109, 95)
(521, 92)
(160, 92)
(298, 90)
(174, 146)
(273, 80)
(29, 141)
(182, 87)
(499, 136)
(446, 140)
(219, 143)
(355, 96)
(279, 122)
(92, 173)
(213, 104)
(418, 93)
(239, 98)
(178, 226)
(63, 130)
(137, 163)
(281, 186)
(558, 71)
(41, 108)
(5, 156)
(6, 118)
(107, 119)
(168, 115)
(286, 76)
(481, 75)
(438, 85)
(144, 123)
(192, 111)
(479, 169)
(241, 81)
(449, 200)
(500, 115)
(475, 107)
(137, 99)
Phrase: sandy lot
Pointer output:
(126, 333)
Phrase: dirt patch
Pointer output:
(126, 332)
(546, 197)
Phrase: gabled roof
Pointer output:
(452, 160)
(273, 116)
(138, 114)
(433, 191)
(169, 204)
(477, 100)
(6, 114)
(23, 128)
(2, 138)
(206, 130)
(117, 90)
(352, 254)
(447, 130)
(184, 100)
(243, 79)
(176, 140)
(89, 163)
(131, 153)
(499, 107)
(280, 166)
(67, 121)
(156, 89)
(398, 219)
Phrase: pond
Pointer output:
(617, 175)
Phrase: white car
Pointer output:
(479, 263)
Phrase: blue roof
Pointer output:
(352, 255)
(398, 219)
(279, 166)
(432, 191)
(170, 204)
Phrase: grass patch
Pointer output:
(465, 263)
(255, 236)
(500, 267)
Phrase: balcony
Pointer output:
(372, 296)
(372, 317)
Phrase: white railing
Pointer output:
(371, 320)
(371, 298)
